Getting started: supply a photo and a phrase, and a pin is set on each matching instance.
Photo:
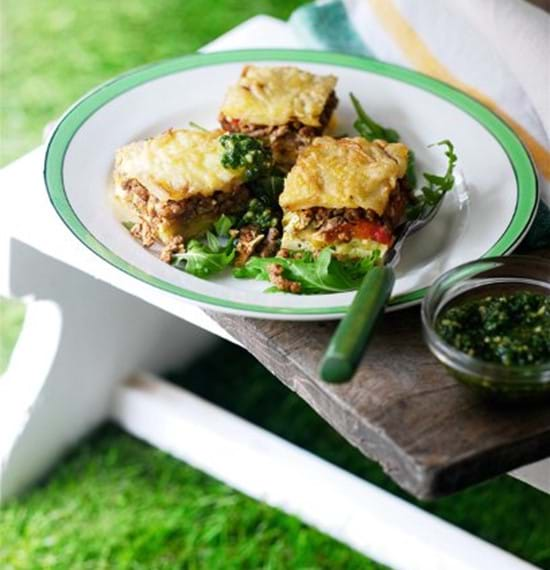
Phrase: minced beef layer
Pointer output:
(252, 240)
(153, 211)
(284, 140)
(335, 220)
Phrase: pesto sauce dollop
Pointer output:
(510, 329)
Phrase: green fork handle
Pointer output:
(350, 339)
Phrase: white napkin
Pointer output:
(498, 51)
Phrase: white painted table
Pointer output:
(102, 330)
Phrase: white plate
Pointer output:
(489, 219)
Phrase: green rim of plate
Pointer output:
(526, 179)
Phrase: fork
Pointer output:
(352, 335)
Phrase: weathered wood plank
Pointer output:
(431, 435)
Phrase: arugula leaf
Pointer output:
(356, 269)
(223, 225)
(314, 277)
(321, 274)
(213, 242)
(242, 151)
(411, 170)
(438, 185)
(368, 128)
(431, 193)
(203, 260)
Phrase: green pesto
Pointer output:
(260, 215)
(242, 151)
(510, 329)
(263, 180)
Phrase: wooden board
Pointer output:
(431, 435)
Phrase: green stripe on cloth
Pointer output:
(326, 25)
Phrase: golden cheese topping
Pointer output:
(176, 165)
(344, 173)
(278, 95)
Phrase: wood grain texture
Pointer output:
(431, 435)
(543, 4)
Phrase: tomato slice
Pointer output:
(363, 229)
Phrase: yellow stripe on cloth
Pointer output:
(421, 58)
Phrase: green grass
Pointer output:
(53, 51)
(504, 511)
(118, 504)
(12, 315)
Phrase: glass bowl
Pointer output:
(493, 275)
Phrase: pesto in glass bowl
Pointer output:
(488, 322)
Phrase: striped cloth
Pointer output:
(495, 50)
